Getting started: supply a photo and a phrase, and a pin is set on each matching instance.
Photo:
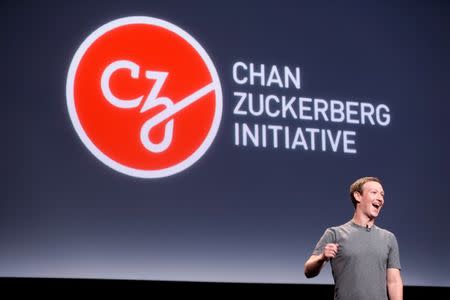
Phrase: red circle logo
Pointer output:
(144, 97)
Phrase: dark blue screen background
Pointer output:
(239, 214)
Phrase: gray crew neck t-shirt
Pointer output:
(359, 268)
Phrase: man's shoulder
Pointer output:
(386, 232)
(337, 228)
(341, 226)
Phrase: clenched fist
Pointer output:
(330, 251)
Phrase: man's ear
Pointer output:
(357, 196)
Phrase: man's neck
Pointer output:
(363, 220)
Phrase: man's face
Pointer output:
(371, 200)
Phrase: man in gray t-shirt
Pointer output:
(365, 259)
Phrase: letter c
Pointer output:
(107, 73)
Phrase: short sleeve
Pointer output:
(394, 254)
(329, 236)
